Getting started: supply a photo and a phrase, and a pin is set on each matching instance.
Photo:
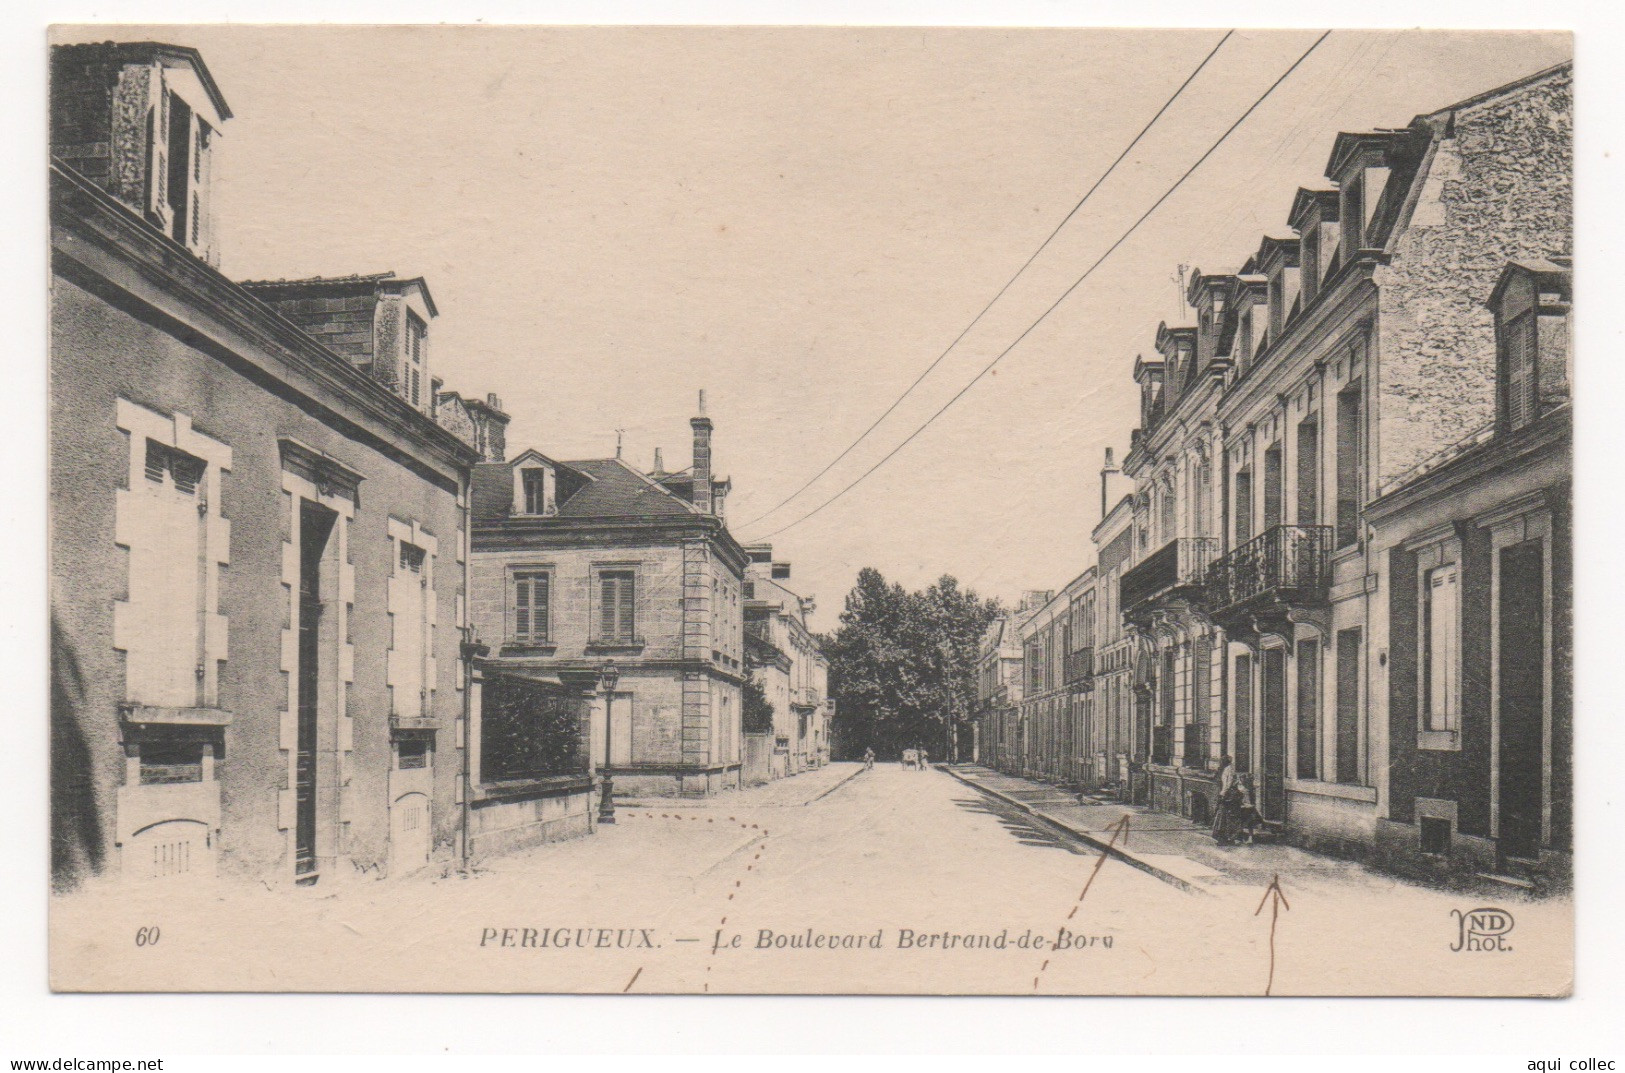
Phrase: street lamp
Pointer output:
(608, 675)
(471, 651)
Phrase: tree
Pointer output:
(758, 710)
(902, 665)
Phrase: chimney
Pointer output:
(702, 459)
(1107, 472)
(660, 467)
(490, 428)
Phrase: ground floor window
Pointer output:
(166, 759)
(413, 752)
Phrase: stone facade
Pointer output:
(258, 552)
(183, 360)
(580, 563)
(784, 658)
(1256, 595)
(1057, 704)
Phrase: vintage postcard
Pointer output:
(815, 510)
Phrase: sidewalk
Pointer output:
(790, 792)
(1169, 847)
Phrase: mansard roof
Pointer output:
(1307, 201)
(327, 286)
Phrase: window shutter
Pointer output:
(606, 607)
(158, 153)
(625, 624)
(1521, 372)
(522, 609)
(1443, 647)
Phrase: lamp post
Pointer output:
(471, 651)
(608, 675)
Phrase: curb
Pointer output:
(837, 786)
(1068, 831)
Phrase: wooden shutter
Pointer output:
(521, 608)
(1521, 371)
(1309, 472)
(1350, 468)
(606, 607)
(530, 607)
(1443, 646)
(624, 607)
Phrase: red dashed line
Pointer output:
(737, 883)
(1120, 830)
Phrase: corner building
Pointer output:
(257, 541)
(580, 563)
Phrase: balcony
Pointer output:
(1282, 570)
(1079, 670)
(1176, 569)
(804, 697)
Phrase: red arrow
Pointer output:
(1273, 891)
(1119, 830)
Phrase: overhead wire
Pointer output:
(1002, 290)
(1064, 294)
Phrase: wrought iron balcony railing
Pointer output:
(1080, 666)
(1288, 563)
(1180, 563)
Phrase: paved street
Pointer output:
(920, 883)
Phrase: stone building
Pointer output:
(1057, 644)
(577, 564)
(784, 657)
(1177, 657)
(1115, 742)
(999, 682)
(1327, 367)
(257, 532)
(1473, 554)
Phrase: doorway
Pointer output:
(1272, 795)
(315, 527)
(1522, 696)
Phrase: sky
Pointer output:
(799, 221)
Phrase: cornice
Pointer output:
(1332, 307)
(86, 221)
(1500, 452)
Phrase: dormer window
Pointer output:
(1352, 213)
(1519, 359)
(412, 381)
(1531, 307)
(534, 483)
(1309, 258)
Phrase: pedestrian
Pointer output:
(925, 760)
(1227, 816)
(908, 759)
(869, 759)
(1249, 819)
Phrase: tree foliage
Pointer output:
(902, 665)
(758, 710)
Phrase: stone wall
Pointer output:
(101, 352)
(1498, 189)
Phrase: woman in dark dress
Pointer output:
(1227, 817)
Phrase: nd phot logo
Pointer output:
(1482, 930)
